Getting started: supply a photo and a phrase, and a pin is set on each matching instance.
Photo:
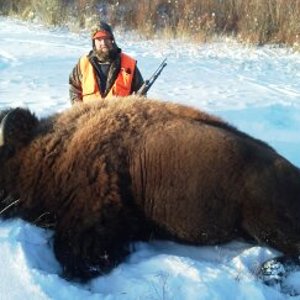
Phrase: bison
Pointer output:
(105, 174)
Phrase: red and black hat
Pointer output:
(102, 30)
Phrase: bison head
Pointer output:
(16, 129)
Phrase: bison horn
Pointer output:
(3, 129)
(1, 137)
(6, 126)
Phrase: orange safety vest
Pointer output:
(121, 87)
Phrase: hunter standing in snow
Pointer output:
(105, 71)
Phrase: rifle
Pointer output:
(148, 83)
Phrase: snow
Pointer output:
(257, 89)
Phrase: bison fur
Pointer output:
(105, 174)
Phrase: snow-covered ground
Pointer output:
(255, 89)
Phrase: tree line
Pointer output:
(252, 21)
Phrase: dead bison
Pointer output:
(103, 175)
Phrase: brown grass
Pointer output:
(253, 21)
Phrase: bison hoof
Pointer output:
(282, 273)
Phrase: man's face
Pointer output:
(104, 45)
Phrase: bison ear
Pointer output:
(16, 127)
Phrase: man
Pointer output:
(106, 71)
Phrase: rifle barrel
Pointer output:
(148, 83)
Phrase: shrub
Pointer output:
(254, 21)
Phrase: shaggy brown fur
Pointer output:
(107, 173)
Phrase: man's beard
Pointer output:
(107, 56)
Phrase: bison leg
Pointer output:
(276, 230)
(271, 216)
(89, 253)
(272, 205)
(93, 245)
